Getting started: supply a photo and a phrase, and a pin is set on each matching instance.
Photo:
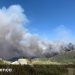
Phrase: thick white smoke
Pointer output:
(16, 41)
(12, 20)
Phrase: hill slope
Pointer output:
(65, 57)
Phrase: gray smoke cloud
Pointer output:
(12, 20)
(16, 41)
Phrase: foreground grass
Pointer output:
(37, 69)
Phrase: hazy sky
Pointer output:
(51, 19)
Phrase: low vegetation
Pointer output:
(37, 69)
(57, 65)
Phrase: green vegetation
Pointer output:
(39, 66)
(57, 65)
(44, 62)
(1, 62)
(37, 69)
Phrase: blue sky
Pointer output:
(51, 19)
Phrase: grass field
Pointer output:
(37, 69)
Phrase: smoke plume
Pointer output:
(12, 20)
(16, 41)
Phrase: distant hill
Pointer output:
(60, 58)
(65, 57)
